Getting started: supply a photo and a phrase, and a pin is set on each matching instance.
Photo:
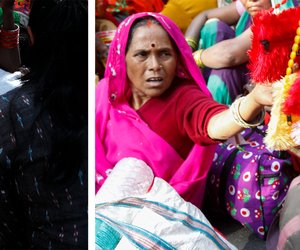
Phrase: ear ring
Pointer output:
(160, 66)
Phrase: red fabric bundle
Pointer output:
(273, 37)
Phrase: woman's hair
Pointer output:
(142, 22)
(139, 23)
(58, 78)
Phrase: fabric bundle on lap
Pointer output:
(159, 217)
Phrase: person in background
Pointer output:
(9, 39)
(153, 105)
(43, 139)
(220, 50)
(109, 13)
(10, 60)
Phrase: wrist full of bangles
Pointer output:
(9, 39)
(234, 110)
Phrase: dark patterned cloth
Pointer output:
(35, 211)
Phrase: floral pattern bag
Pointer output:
(250, 181)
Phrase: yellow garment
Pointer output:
(279, 132)
(182, 12)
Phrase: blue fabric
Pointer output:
(106, 236)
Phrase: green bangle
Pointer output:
(192, 43)
(197, 58)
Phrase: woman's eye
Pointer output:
(166, 54)
(141, 54)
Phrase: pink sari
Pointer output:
(121, 133)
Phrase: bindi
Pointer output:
(152, 45)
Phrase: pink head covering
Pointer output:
(121, 133)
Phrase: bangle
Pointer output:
(9, 38)
(197, 58)
(234, 109)
(192, 43)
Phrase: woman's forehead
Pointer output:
(153, 35)
(150, 28)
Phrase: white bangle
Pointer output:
(234, 109)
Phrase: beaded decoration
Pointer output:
(294, 52)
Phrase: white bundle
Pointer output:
(130, 177)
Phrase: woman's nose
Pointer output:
(154, 63)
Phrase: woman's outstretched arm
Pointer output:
(223, 125)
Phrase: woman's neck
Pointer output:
(136, 102)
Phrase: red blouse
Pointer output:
(181, 115)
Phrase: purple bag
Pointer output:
(250, 181)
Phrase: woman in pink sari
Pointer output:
(153, 105)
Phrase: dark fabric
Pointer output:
(36, 212)
(181, 115)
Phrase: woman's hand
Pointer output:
(223, 125)
(262, 94)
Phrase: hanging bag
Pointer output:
(249, 181)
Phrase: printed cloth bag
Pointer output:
(250, 181)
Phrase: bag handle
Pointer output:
(224, 176)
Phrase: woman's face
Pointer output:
(254, 6)
(151, 62)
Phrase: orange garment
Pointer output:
(182, 12)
